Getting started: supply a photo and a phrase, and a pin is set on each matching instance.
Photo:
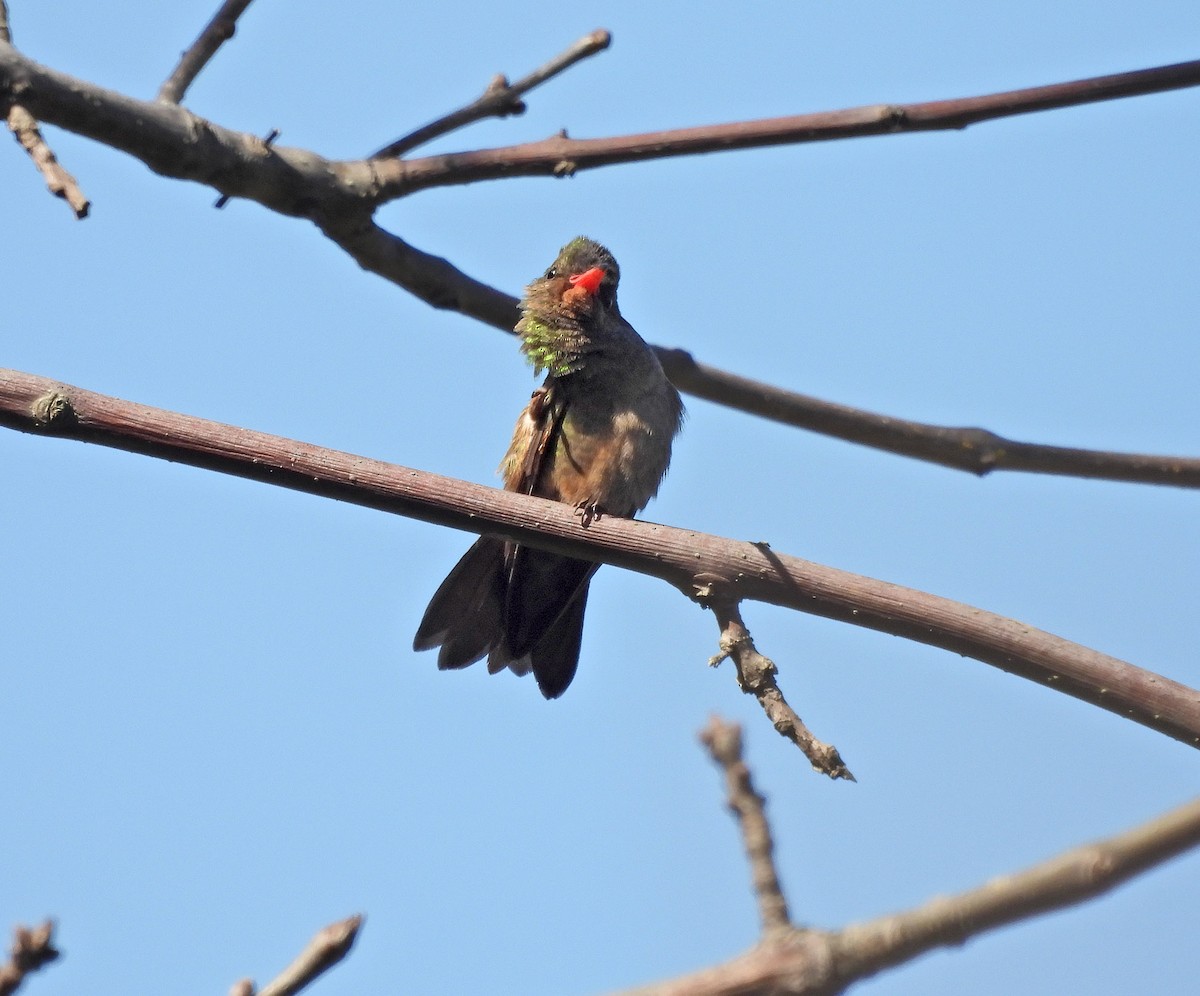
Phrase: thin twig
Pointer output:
(803, 962)
(32, 948)
(500, 99)
(215, 34)
(729, 569)
(756, 676)
(59, 182)
(328, 947)
(724, 743)
(25, 129)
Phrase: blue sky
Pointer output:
(216, 738)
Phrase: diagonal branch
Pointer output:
(25, 130)
(340, 197)
(756, 676)
(215, 34)
(1069, 879)
(440, 284)
(977, 451)
(500, 99)
(697, 563)
(328, 947)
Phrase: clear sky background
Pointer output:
(215, 738)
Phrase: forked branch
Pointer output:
(500, 99)
(798, 961)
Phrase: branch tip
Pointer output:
(328, 946)
(756, 675)
(32, 949)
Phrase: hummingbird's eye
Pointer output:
(551, 273)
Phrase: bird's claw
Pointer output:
(588, 512)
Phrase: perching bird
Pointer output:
(597, 435)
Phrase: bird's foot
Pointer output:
(588, 512)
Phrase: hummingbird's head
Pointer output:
(582, 279)
(564, 312)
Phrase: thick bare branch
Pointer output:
(500, 99)
(800, 962)
(756, 676)
(724, 743)
(340, 197)
(561, 156)
(701, 565)
(215, 34)
(32, 948)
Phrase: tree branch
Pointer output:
(705, 567)
(440, 284)
(328, 947)
(756, 676)
(341, 196)
(724, 743)
(32, 948)
(25, 130)
(560, 155)
(500, 99)
(1069, 879)
(804, 962)
(977, 451)
(215, 34)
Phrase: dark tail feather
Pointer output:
(466, 614)
(521, 608)
(556, 655)
(541, 587)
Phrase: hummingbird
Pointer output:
(596, 435)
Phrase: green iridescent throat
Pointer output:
(557, 350)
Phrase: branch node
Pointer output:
(499, 99)
(53, 410)
(267, 141)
